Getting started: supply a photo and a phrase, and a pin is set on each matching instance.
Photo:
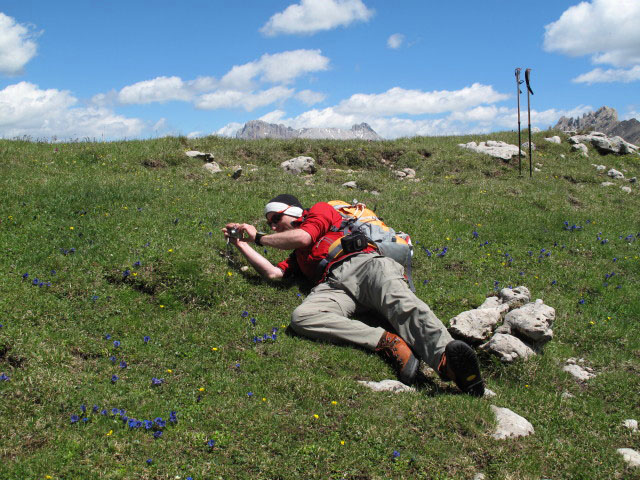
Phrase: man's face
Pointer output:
(279, 222)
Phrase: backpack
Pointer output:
(357, 218)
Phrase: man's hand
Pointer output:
(244, 233)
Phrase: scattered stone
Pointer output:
(613, 173)
(515, 297)
(207, 157)
(525, 146)
(387, 386)
(351, 184)
(626, 189)
(554, 139)
(299, 165)
(580, 147)
(537, 169)
(607, 184)
(489, 393)
(479, 476)
(532, 321)
(535, 130)
(237, 171)
(630, 456)
(562, 155)
(375, 192)
(631, 424)
(507, 347)
(244, 268)
(510, 424)
(496, 149)
(580, 373)
(567, 396)
(475, 326)
(212, 167)
(494, 302)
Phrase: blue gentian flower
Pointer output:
(157, 381)
(123, 364)
(160, 422)
(581, 301)
(126, 273)
(83, 408)
(149, 461)
(395, 454)
(211, 443)
(137, 264)
(26, 275)
(157, 434)
(145, 339)
(35, 281)
(114, 411)
(74, 418)
(475, 234)
(244, 314)
(113, 359)
(107, 337)
(148, 424)
(249, 394)
(103, 412)
(116, 343)
(114, 378)
(4, 377)
(253, 320)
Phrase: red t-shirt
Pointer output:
(317, 222)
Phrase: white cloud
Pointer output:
(395, 40)
(229, 130)
(162, 89)
(239, 99)
(16, 46)
(309, 97)
(611, 75)
(281, 67)
(312, 16)
(605, 29)
(415, 102)
(27, 110)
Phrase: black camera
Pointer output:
(234, 233)
(354, 242)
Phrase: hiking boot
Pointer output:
(460, 364)
(396, 351)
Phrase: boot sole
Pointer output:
(463, 361)
(408, 373)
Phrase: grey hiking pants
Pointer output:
(364, 283)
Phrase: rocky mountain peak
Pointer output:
(255, 129)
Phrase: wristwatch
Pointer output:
(258, 239)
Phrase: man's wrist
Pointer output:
(258, 239)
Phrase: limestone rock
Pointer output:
(613, 173)
(507, 347)
(631, 424)
(496, 149)
(387, 386)
(510, 424)
(532, 321)
(476, 325)
(604, 119)
(256, 129)
(351, 184)
(580, 373)
(525, 146)
(212, 167)
(607, 184)
(630, 456)
(299, 165)
(405, 173)
(515, 297)
(626, 189)
(207, 157)
(488, 393)
(580, 147)
(554, 139)
(494, 302)
(600, 168)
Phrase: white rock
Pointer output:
(299, 165)
(578, 372)
(631, 424)
(626, 189)
(515, 297)
(387, 386)
(212, 167)
(510, 424)
(580, 147)
(488, 393)
(351, 184)
(532, 321)
(567, 396)
(607, 184)
(475, 325)
(496, 149)
(494, 302)
(525, 146)
(507, 347)
(244, 268)
(479, 476)
(613, 173)
(202, 156)
(554, 139)
(630, 456)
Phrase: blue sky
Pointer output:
(114, 69)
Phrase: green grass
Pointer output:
(120, 203)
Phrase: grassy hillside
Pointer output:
(119, 297)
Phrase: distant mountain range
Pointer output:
(256, 129)
(604, 120)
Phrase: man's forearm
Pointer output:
(263, 266)
(288, 240)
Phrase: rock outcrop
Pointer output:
(605, 120)
(256, 129)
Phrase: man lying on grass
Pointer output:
(352, 283)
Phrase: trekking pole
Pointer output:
(529, 91)
(518, 92)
